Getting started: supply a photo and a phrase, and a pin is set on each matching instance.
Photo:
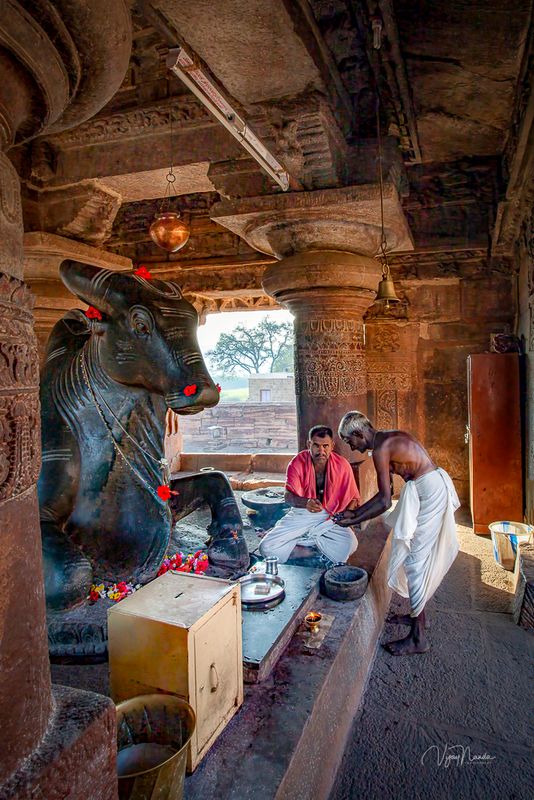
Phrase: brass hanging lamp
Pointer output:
(168, 231)
(386, 287)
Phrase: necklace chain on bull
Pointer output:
(163, 463)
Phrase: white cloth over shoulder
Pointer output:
(300, 526)
(424, 537)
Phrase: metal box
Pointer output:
(181, 634)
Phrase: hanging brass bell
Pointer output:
(386, 291)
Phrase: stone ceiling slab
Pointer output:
(251, 47)
(462, 61)
(150, 184)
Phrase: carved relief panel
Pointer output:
(20, 443)
(329, 357)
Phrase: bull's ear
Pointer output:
(90, 284)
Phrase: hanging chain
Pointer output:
(162, 461)
(170, 177)
(376, 23)
(383, 240)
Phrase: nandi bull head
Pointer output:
(147, 335)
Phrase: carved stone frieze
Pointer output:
(205, 304)
(390, 373)
(447, 264)
(20, 442)
(329, 358)
(184, 109)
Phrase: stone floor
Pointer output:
(426, 719)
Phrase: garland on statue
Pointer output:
(196, 563)
(163, 491)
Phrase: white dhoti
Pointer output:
(424, 537)
(300, 526)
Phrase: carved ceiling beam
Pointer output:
(518, 161)
(467, 263)
(388, 65)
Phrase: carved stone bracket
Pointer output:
(346, 219)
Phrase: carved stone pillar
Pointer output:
(58, 67)
(391, 349)
(327, 278)
(330, 372)
(24, 651)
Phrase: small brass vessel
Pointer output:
(312, 620)
(169, 232)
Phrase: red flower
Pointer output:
(164, 492)
(93, 313)
(190, 390)
(218, 387)
(94, 596)
(143, 272)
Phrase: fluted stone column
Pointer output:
(327, 277)
(58, 67)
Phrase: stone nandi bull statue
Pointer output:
(106, 386)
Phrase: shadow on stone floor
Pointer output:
(470, 695)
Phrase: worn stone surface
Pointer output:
(468, 695)
(345, 219)
(81, 731)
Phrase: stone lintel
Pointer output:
(44, 253)
(346, 219)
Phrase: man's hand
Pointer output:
(313, 505)
(344, 518)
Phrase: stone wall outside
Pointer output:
(241, 428)
(280, 385)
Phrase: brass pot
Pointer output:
(153, 733)
(168, 231)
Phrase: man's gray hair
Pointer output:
(354, 422)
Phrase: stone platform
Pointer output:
(81, 731)
(266, 633)
(287, 740)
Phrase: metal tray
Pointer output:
(248, 583)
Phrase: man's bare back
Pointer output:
(394, 453)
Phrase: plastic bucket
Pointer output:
(506, 538)
(153, 732)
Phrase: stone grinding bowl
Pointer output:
(344, 582)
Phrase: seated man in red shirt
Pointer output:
(319, 483)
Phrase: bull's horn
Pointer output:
(91, 284)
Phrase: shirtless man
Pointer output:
(424, 533)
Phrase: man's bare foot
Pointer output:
(399, 619)
(402, 619)
(407, 646)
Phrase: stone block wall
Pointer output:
(280, 385)
(457, 318)
(241, 427)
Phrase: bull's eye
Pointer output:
(141, 321)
